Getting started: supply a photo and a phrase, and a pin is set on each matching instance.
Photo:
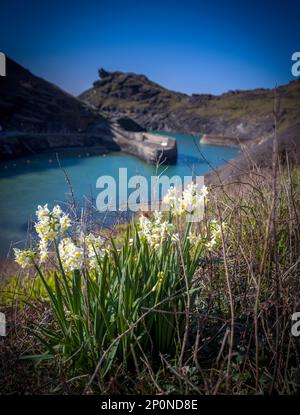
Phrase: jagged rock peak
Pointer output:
(103, 73)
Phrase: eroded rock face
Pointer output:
(236, 114)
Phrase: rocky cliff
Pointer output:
(31, 104)
(236, 114)
(36, 115)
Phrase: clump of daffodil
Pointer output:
(49, 226)
(156, 230)
(210, 239)
(151, 264)
(52, 224)
(190, 201)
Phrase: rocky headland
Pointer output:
(36, 116)
(226, 119)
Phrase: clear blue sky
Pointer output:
(191, 46)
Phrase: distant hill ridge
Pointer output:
(238, 114)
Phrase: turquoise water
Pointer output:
(27, 182)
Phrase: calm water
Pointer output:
(25, 183)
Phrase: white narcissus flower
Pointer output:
(170, 197)
(204, 191)
(189, 201)
(43, 250)
(57, 211)
(210, 244)
(65, 222)
(71, 256)
(42, 212)
(215, 233)
(193, 238)
(155, 231)
(192, 199)
(23, 258)
(51, 224)
(95, 249)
